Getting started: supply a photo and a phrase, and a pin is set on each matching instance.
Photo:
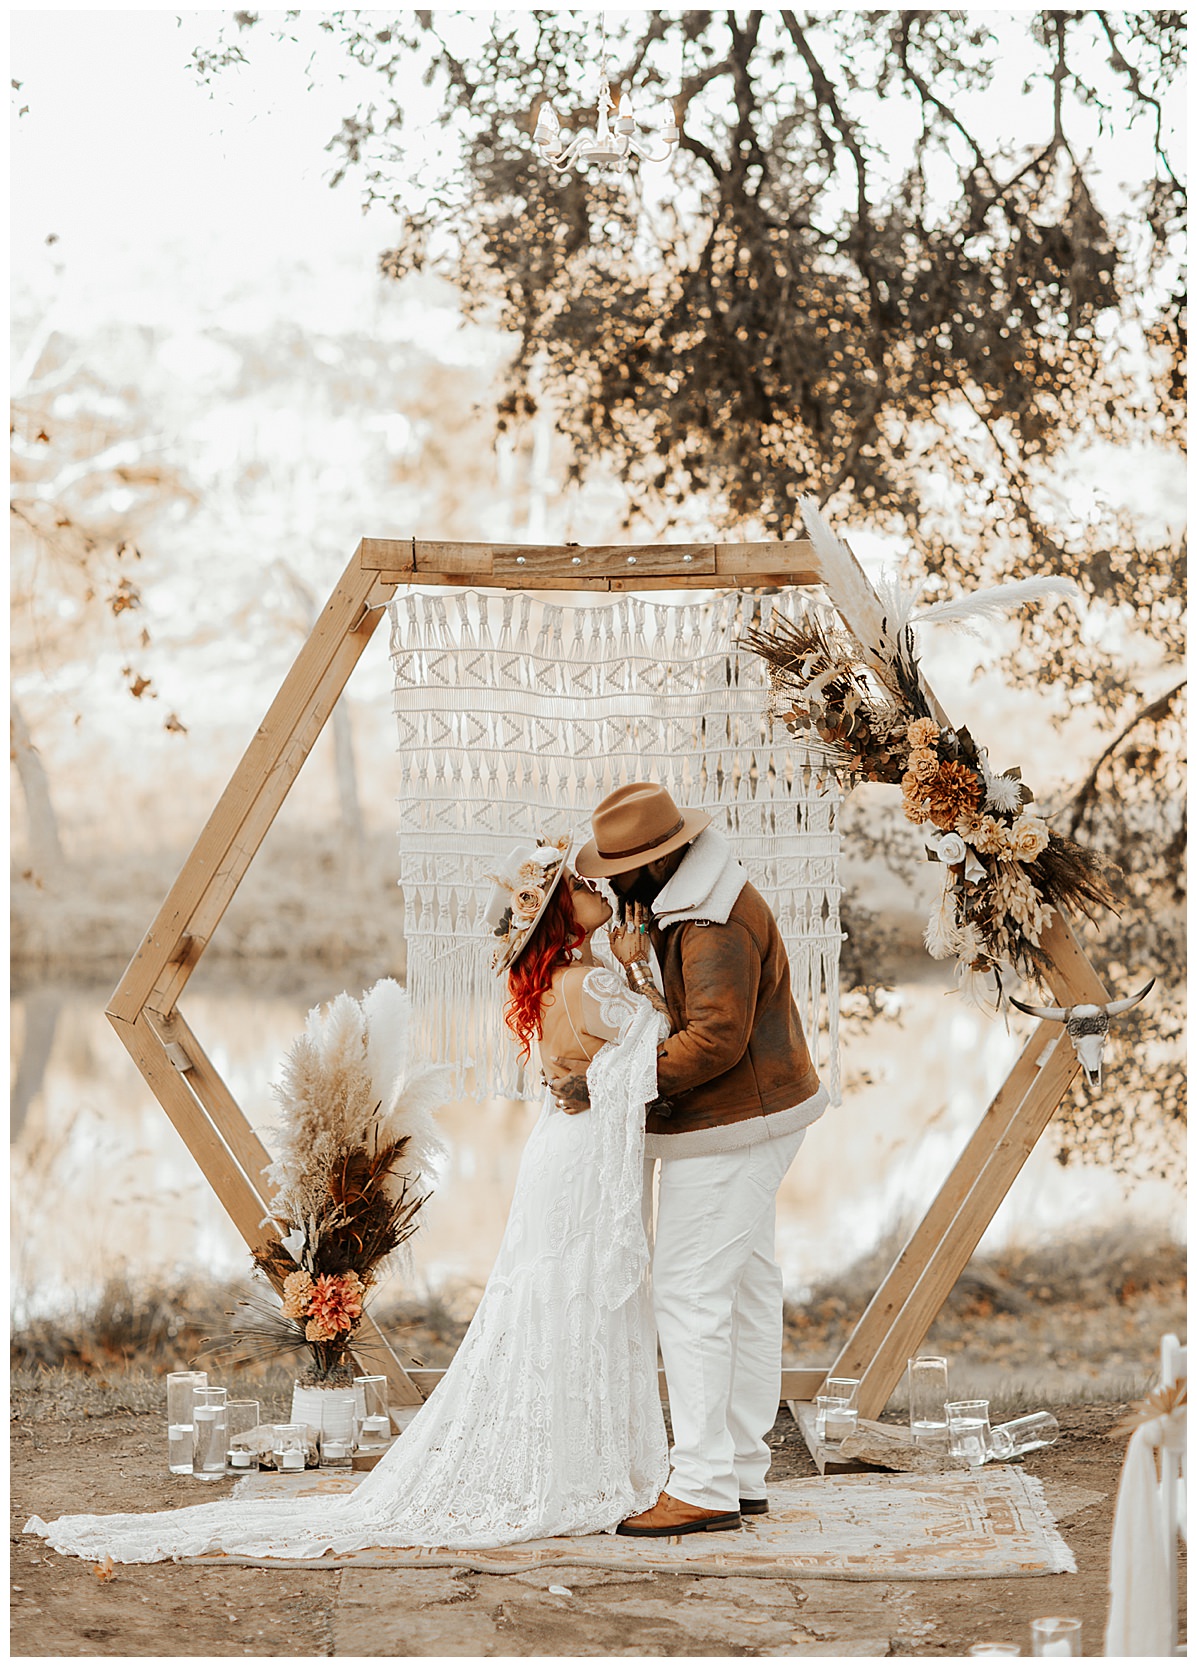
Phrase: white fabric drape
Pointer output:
(516, 715)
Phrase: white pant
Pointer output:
(717, 1295)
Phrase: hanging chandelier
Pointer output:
(610, 145)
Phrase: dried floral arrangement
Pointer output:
(1007, 870)
(355, 1143)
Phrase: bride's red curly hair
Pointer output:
(530, 979)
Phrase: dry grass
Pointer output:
(1076, 1322)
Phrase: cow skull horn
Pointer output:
(1113, 1008)
(1041, 1012)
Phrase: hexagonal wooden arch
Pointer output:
(144, 1008)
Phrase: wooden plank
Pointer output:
(377, 1355)
(591, 567)
(217, 1099)
(947, 1261)
(174, 1094)
(879, 1316)
(1072, 972)
(513, 564)
(210, 906)
(1071, 977)
(798, 1383)
(828, 1461)
(247, 806)
(396, 555)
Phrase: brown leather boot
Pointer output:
(673, 1516)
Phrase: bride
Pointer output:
(549, 1420)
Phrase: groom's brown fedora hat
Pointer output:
(635, 825)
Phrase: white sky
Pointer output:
(155, 184)
(166, 196)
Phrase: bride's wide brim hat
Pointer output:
(633, 826)
(525, 883)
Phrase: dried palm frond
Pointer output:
(1075, 876)
(1161, 1403)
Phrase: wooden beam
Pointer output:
(594, 567)
(230, 839)
(948, 1259)
(217, 1099)
(175, 1095)
(964, 1207)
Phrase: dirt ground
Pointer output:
(113, 1461)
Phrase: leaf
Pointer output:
(174, 725)
(105, 1570)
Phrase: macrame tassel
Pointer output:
(516, 716)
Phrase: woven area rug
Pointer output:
(989, 1525)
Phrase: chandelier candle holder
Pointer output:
(607, 146)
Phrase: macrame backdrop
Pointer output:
(517, 715)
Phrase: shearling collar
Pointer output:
(705, 886)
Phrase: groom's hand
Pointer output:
(571, 1093)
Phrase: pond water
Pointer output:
(101, 1183)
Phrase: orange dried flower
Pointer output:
(297, 1290)
(923, 732)
(336, 1303)
(954, 792)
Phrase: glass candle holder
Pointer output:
(841, 1389)
(968, 1430)
(373, 1419)
(244, 1418)
(993, 1646)
(833, 1419)
(181, 1389)
(289, 1446)
(927, 1387)
(336, 1430)
(1023, 1435)
(211, 1449)
(1056, 1635)
(839, 1421)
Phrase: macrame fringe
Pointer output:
(516, 716)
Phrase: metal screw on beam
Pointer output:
(687, 558)
(631, 561)
(576, 560)
(520, 560)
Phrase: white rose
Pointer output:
(951, 848)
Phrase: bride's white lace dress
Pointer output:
(549, 1420)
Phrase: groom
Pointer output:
(737, 1091)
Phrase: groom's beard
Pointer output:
(644, 890)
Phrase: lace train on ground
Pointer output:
(547, 1422)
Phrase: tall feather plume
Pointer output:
(409, 1098)
(898, 602)
(997, 600)
(386, 1011)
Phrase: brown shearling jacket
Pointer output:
(738, 1049)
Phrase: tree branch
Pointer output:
(1151, 713)
(1120, 62)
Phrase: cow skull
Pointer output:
(1087, 1025)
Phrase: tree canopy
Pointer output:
(924, 265)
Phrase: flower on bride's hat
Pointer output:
(525, 903)
(519, 894)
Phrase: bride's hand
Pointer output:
(629, 942)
